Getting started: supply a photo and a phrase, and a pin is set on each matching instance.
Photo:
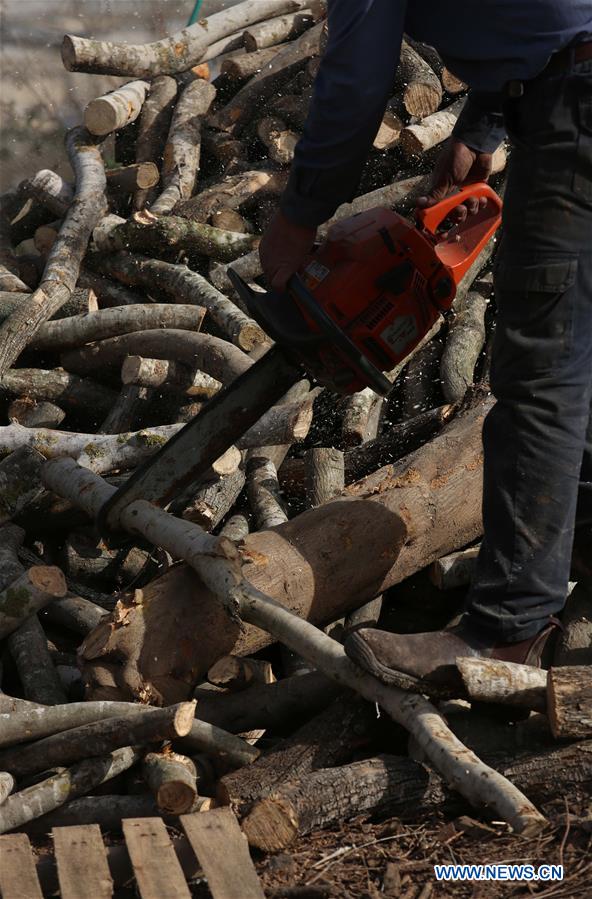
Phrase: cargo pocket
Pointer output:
(535, 300)
(582, 182)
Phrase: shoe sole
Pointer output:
(359, 652)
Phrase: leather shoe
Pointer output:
(431, 657)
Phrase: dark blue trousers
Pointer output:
(538, 437)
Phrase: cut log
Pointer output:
(506, 683)
(454, 570)
(9, 269)
(327, 739)
(390, 128)
(214, 499)
(58, 386)
(325, 475)
(574, 644)
(185, 286)
(435, 128)
(147, 726)
(233, 192)
(160, 372)
(279, 141)
(236, 528)
(20, 482)
(44, 797)
(451, 83)
(177, 53)
(102, 452)
(422, 90)
(183, 147)
(245, 65)
(61, 272)
(31, 414)
(78, 330)
(274, 31)
(38, 676)
(247, 266)
(106, 811)
(569, 701)
(153, 127)
(28, 594)
(50, 190)
(172, 781)
(464, 343)
(76, 614)
(127, 179)
(116, 110)
(236, 674)
(277, 705)
(108, 292)
(264, 492)
(361, 416)
(366, 616)
(285, 423)
(163, 233)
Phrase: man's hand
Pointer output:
(283, 249)
(457, 166)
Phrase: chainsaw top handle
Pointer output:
(461, 245)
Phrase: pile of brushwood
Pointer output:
(198, 660)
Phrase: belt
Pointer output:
(563, 60)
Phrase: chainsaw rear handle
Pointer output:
(432, 217)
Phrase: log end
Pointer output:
(421, 99)
(100, 117)
(410, 142)
(229, 462)
(147, 175)
(175, 798)
(271, 825)
(48, 579)
(250, 336)
(69, 52)
(184, 717)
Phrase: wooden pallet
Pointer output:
(83, 868)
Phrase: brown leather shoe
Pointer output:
(431, 657)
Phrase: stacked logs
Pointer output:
(128, 662)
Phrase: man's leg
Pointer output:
(534, 438)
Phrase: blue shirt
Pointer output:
(485, 42)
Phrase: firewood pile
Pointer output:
(198, 660)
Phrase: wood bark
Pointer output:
(31, 414)
(109, 293)
(38, 676)
(464, 343)
(506, 683)
(106, 811)
(68, 391)
(569, 701)
(66, 333)
(279, 705)
(422, 90)
(435, 128)
(327, 739)
(183, 285)
(44, 797)
(420, 379)
(234, 192)
(50, 190)
(248, 267)
(325, 469)
(172, 781)
(274, 31)
(183, 147)
(153, 127)
(20, 482)
(25, 596)
(76, 614)
(128, 408)
(236, 528)
(454, 570)
(117, 109)
(99, 737)
(285, 423)
(264, 491)
(361, 415)
(6, 785)
(177, 53)
(162, 233)
(63, 264)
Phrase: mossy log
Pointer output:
(25, 596)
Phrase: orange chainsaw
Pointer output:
(363, 302)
